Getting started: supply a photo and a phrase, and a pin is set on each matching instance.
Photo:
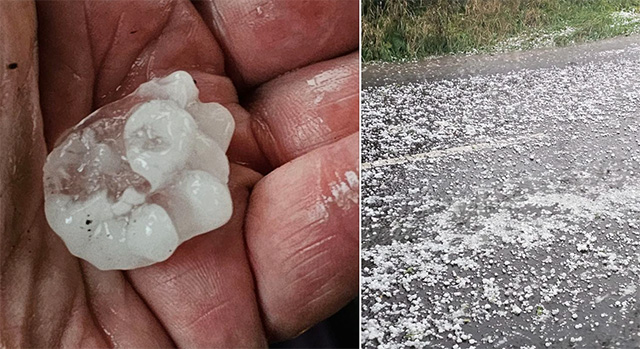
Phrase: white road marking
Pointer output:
(454, 151)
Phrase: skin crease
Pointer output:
(255, 279)
(292, 33)
(307, 108)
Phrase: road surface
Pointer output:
(501, 200)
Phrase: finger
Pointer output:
(243, 149)
(263, 39)
(67, 73)
(117, 308)
(98, 52)
(22, 156)
(34, 264)
(204, 294)
(21, 143)
(306, 109)
(302, 237)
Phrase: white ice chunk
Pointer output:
(217, 165)
(159, 139)
(151, 233)
(198, 202)
(138, 177)
(178, 87)
(129, 198)
(76, 220)
(215, 120)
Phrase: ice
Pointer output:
(136, 178)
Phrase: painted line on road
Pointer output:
(454, 151)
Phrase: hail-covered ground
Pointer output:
(501, 201)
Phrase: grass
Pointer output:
(414, 29)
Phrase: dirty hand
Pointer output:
(289, 255)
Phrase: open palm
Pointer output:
(288, 257)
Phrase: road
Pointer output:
(501, 200)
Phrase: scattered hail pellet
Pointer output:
(504, 207)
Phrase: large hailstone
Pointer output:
(139, 176)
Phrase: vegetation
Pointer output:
(414, 29)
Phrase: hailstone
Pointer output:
(139, 176)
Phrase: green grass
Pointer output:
(413, 29)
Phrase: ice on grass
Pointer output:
(139, 176)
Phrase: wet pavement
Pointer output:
(501, 205)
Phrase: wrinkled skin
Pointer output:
(289, 256)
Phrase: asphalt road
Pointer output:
(501, 200)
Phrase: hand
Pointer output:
(289, 255)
